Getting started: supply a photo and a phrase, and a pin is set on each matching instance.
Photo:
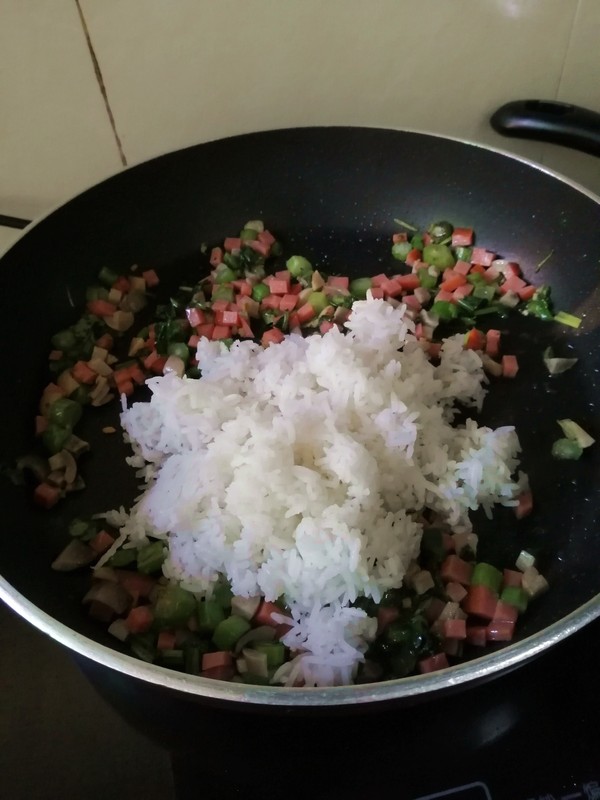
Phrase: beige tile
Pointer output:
(188, 71)
(580, 84)
(55, 138)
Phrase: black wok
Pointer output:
(332, 194)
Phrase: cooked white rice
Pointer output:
(301, 469)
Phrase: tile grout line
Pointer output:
(102, 87)
(567, 48)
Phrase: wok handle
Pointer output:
(550, 121)
(13, 222)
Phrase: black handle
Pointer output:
(13, 222)
(549, 121)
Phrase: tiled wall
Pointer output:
(176, 72)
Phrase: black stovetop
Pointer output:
(533, 734)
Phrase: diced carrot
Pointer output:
(512, 577)
(480, 601)
(456, 592)
(462, 292)
(279, 286)
(510, 366)
(243, 288)
(272, 336)
(512, 284)
(411, 302)
(264, 614)
(220, 305)
(106, 341)
(306, 312)
(433, 663)
(83, 374)
(525, 506)
(505, 612)
(139, 619)
(379, 280)
(434, 349)
(195, 316)
(377, 293)
(326, 326)
(453, 282)
(136, 584)
(259, 247)
(462, 237)
(447, 273)
(482, 256)
(294, 321)
(245, 330)
(296, 288)
(427, 238)
(136, 375)
(206, 330)
(448, 542)
(101, 308)
(457, 570)
(46, 495)
(491, 274)
(408, 282)
(158, 365)
(339, 282)
(266, 237)
(222, 658)
(232, 243)
(122, 284)
(477, 268)
(419, 330)
(477, 635)
(193, 340)
(500, 631)
(166, 640)
(492, 343)
(288, 302)
(150, 359)
(230, 317)
(218, 673)
(151, 278)
(462, 267)
(271, 301)
(126, 386)
(385, 616)
(221, 332)
(454, 629)
(474, 340)
(55, 355)
(101, 542)
(401, 236)
(41, 423)
(446, 296)
(391, 288)
(413, 256)
(281, 630)
(216, 256)
(527, 292)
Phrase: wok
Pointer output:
(330, 193)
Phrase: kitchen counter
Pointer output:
(58, 738)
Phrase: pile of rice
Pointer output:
(302, 469)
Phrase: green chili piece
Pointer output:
(359, 288)
(439, 256)
(566, 450)
(150, 557)
(445, 310)
(173, 607)
(515, 596)
(260, 291)
(401, 249)
(299, 267)
(229, 630)
(486, 575)
(210, 612)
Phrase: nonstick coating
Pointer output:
(331, 194)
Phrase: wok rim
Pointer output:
(473, 671)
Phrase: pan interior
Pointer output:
(330, 194)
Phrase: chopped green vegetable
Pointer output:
(274, 651)
(174, 606)
(55, 437)
(210, 612)
(359, 288)
(260, 291)
(440, 231)
(567, 319)
(557, 366)
(464, 254)
(179, 349)
(299, 267)
(319, 301)
(515, 596)
(405, 225)
(64, 412)
(248, 234)
(427, 280)
(108, 276)
(566, 449)
(401, 249)
(544, 260)
(540, 304)
(486, 575)
(576, 433)
(229, 630)
(150, 557)
(439, 256)
(445, 310)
